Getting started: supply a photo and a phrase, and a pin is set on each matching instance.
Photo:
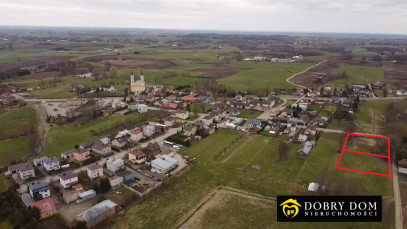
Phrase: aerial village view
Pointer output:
(111, 127)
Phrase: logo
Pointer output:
(329, 208)
(290, 208)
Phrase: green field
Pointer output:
(234, 169)
(13, 149)
(244, 113)
(358, 75)
(4, 184)
(15, 123)
(262, 75)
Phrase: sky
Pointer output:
(341, 16)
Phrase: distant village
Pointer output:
(143, 157)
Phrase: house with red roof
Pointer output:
(136, 135)
(137, 156)
(188, 98)
(47, 207)
(5, 95)
(172, 106)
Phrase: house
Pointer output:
(305, 150)
(401, 92)
(129, 179)
(302, 138)
(182, 114)
(81, 155)
(137, 157)
(51, 163)
(169, 121)
(107, 87)
(148, 130)
(189, 130)
(115, 181)
(136, 135)
(47, 207)
(151, 150)
(163, 164)
(312, 130)
(38, 161)
(24, 170)
(253, 123)
(336, 100)
(98, 213)
(303, 119)
(207, 120)
(142, 108)
(188, 98)
(68, 179)
(120, 142)
(302, 106)
(287, 112)
(114, 164)
(67, 155)
(94, 171)
(241, 105)
(172, 106)
(70, 196)
(171, 98)
(86, 75)
(239, 97)
(222, 123)
(132, 106)
(100, 148)
(233, 111)
(150, 98)
(39, 190)
(266, 104)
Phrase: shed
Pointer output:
(87, 195)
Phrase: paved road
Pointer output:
(288, 79)
(397, 198)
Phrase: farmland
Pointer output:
(224, 160)
(358, 75)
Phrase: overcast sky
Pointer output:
(355, 16)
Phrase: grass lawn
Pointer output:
(14, 123)
(63, 138)
(200, 108)
(6, 225)
(358, 75)
(244, 113)
(262, 75)
(234, 169)
(53, 93)
(4, 184)
(13, 149)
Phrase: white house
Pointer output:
(136, 135)
(142, 108)
(401, 92)
(114, 165)
(101, 148)
(51, 163)
(107, 88)
(148, 130)
(24, 170)
(68, 179)
(95, 171)
(39, 190)
(115, 181)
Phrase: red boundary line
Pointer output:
(361, 171)
(371, 154)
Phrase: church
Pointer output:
(139, 86)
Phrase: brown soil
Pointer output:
(395, 75)
(218, 72)
(38, 61)
(328, 70)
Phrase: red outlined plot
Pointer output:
(370, 154)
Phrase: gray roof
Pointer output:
(22, 167)
(255, 122)
(39, 186)
(50, 160)
(97, 210)
(67, 175)
(129, 176)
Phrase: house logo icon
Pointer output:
(290, 208)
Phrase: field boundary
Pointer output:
(207, 198)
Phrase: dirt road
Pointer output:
(397, 199)
(288, 79)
